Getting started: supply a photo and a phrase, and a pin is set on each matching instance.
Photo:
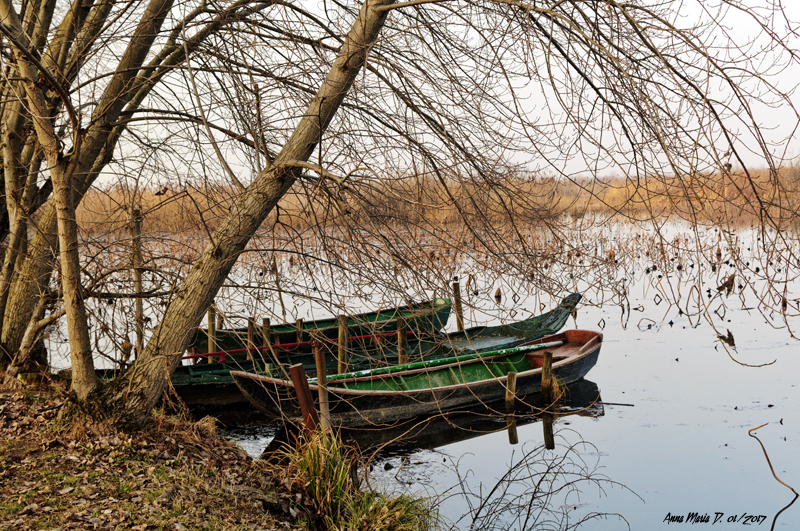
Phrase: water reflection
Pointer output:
(541, 489)
(541, 486)
(450, 427)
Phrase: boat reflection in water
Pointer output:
(579, 398)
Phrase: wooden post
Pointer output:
(459, 307)
(511, 392)
(310, 416)
(212, 335)
(343, 344)
(511, 426)
(547, 427)
(251, 332)
(278, 286)
(266, 331)
(547, 376)
(402, 341)
(322, 387)
(299, 325)
(136, 229)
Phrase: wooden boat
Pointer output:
(386, 396)
(424, 318)
(210, 384)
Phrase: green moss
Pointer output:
(152, 495)
(9, 508)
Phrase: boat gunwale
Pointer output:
(419, 309)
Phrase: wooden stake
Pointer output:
(300, 381)
(136, 229)
(547, 427)
(547, 376)
(212, 335)
(342, 354)
(459, 307)
(511, 425)
(299, 325)
(511, 391)
(278, 286)
(251, 332)
(322, 385)
(402, 341)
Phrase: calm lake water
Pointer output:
(680, 446)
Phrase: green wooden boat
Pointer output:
(424, 318)
(385, 396)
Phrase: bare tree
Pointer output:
(427, 105)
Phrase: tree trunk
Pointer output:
(32, 276)
(84, 379)
(143, 384)
(31, 279)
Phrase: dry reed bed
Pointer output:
(419, 203)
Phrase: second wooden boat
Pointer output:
(424, 318)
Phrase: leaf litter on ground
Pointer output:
(174, 474)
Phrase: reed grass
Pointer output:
(418, 201)
(323, 472)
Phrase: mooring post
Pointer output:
(251, 332)
(300, 381)
(343, 339)
(278, 286)
(402, 341)
(322, 384)
(136, 229)
(212, 333)
(511, 392)
(458, 305)
(511, 426)
(547, 376)
(547, 426)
